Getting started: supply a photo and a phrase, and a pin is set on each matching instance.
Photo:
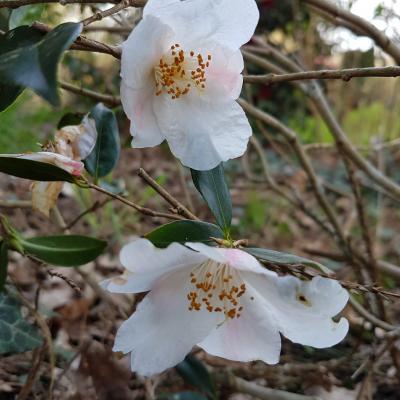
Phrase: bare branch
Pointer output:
(137, 207)
(180, 208)
(19, 3)
(370, 317)
(384, 266)
(321, 103)
(260, 392)
(84, 44)
(343, 74)
(112, 101)
(381, 40)
(98, 16)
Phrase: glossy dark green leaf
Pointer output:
(3, 264)
(277, 257)
(35, 65)
(33, 170)
(212, 186)
(105, 154)
(184, 231)
(183, 396)
(16, 38)
(66, 251)
(195, 373)
(16, 334)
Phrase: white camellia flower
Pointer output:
(181, 74)
(222, 300)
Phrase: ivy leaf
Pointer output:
(34, 65)
(212, 186)
(64, 250)
(195, 373)
(33, 170)
(16, 334)
(3, 264)
(280, 258)
(102, 160)
(184, 231)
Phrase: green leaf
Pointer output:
(278, 257)
(3, 264)
(16, 38)
(33, 170)
(16, 334)
(184, 231)
(105, 154)
(183, 396)
(25, 15)
(35, 65)
(65, 251)
(195, 373)
(212, 186)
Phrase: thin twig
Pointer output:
(96, 205)
(83, 44)
(15, 204)
(142, 210)
(343, 74)
(370, 317)
(384, 266)
(67, 280)
(20, 3)
(260, 392)
(37, 359)
(179, 207)
(112, 101)
(99, 15)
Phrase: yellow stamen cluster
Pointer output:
(218, 288)
(177, 72)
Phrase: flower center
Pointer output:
(218, 288)
(179, 71)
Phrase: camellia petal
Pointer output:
(231, 22)
(253, 336)
(138, 106)
(162, 330)
(304, 309)
(224, 78)
(141, 256)
(236, 258)
(146, 264)
(142, 51)
(202, 134)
